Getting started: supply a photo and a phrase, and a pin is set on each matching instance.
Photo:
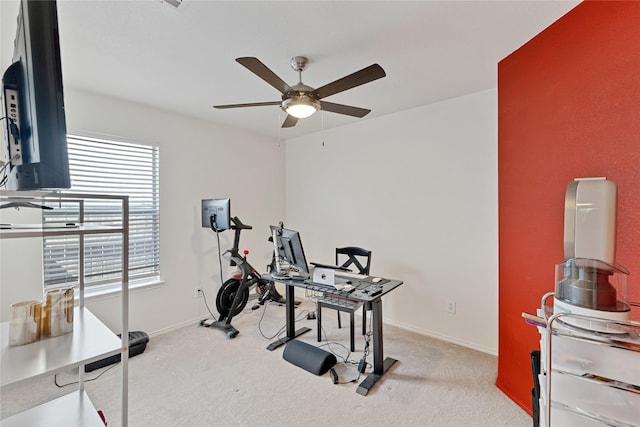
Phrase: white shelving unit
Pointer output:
(590, 378)
(90, 340)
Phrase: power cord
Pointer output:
(55, 377)
(362, 364)
(214, 227)
(13, 127)
(206, 304)
(278, 333)
(283, 329)
(328, 344)
(3, 168)
(336, 378)
(212, 222)
(4, 165)
(15, 131)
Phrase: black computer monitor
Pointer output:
(36, 132)
(216, 214)
(290, 248)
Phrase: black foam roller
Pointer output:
(308, 357)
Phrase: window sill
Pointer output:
(95, 293)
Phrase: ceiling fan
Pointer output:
(300, 101)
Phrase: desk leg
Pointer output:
(380, 365)
(378, 350)
(291, 321)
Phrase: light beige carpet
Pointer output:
(195, 376)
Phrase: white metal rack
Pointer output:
(588, 378)
(90, 340)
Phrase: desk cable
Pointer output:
(360, 365)
(283, 329)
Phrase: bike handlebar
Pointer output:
(238, 225)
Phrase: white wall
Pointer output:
(198, 160)
(20, 281)
(418, 188)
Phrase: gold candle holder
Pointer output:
(58, 312)
(25, 322)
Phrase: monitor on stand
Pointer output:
(288, 249)
(216, 214)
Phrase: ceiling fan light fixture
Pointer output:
(301, 107)
(301, 101)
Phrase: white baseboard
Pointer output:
(446, 338)
(400, 325)
(194, 322)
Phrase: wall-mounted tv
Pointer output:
(35, 132)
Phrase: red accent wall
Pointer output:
(568, 107)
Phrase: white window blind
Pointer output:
(101, 166)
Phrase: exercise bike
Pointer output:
(233, 295)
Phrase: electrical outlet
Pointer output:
(197, 293)
(451, 307)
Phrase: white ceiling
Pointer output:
(182, 59)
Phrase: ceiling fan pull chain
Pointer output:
(278, 121)
(322, 126)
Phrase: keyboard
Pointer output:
(348, 275)
(319, 285)
(338, 287)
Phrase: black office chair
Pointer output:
(355, 257)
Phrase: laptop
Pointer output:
(326, 276)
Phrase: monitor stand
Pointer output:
(281, 274)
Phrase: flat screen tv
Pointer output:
(35, 132)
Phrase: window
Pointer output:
(104, 166)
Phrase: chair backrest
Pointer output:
(359, 257)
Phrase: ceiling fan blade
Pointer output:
(366, 75)
(253, 104)
(259, 69)
(290, 121)
(344, 109)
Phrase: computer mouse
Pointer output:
(376, 279)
